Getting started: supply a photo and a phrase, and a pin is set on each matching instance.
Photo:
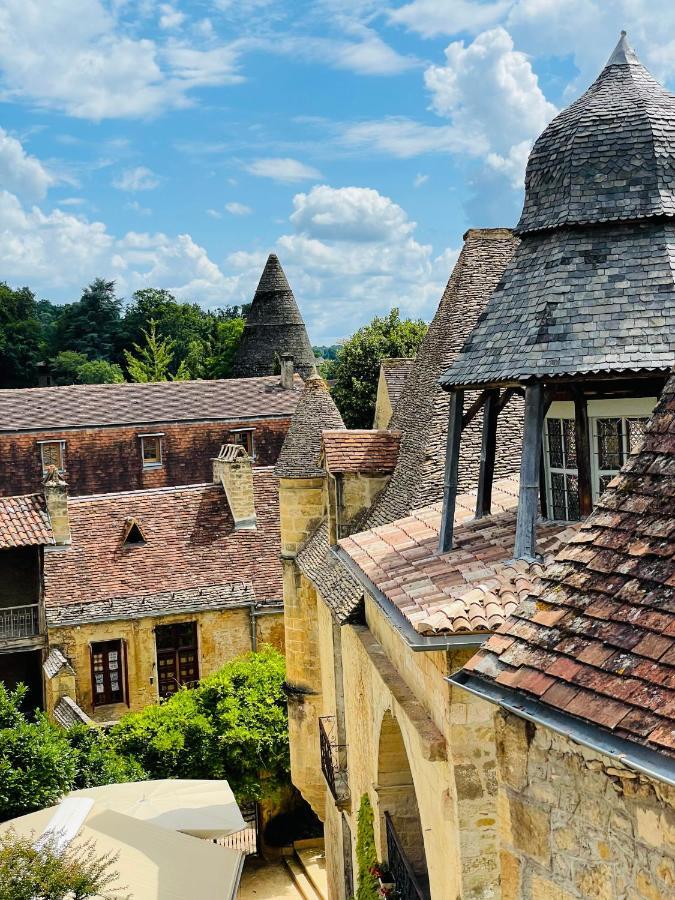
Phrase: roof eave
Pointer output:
(642, 759)
(419, 643)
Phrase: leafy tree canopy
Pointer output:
(99, 371)
(356, 370)
(152, 360)
(20, 337)
(91, 325)
(233, 725)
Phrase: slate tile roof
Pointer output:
(395, 371)
(24, 522)
(300, 452)
(360, 450)
(190, 544)
(273, 326)
(67, 713)
(586, 301)
(475, 586)
(609, 155)
(598, 643)
(421, 415)
(83, 405)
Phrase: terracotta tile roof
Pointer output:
(360, 450)
(598, 644)
(82, 405)
(190, 543)
(24, 522)
(316, 410)
(395, 371)
(471, 589)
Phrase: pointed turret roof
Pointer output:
(273, 326)
(316, 411)
(608, 156)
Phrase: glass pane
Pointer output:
(51, 455)
(604, 481)
(609, 443)
(572, 497)
(636, 432)
(555, 454)
(150, 450)
(570, 444)
(558, 495)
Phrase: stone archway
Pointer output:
(398, 803)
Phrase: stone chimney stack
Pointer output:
(56, 497)
(286, 360)
(232, 468)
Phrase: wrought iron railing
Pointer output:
(409, 885)
(19, 621)
(333, 759)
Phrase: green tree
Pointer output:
(226, 341)
(51, 873)
(66, 365)
(366, 854)
(91, 325)
(97, 760)
(152, 361)
(21, 334)
(233, 725)
(356, 370)
(37, 764)
(99, 371)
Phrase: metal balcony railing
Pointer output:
(333, 759)
(19, 621)
(409, 885)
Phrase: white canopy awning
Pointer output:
(202, 808)
(153, 863)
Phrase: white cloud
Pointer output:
(282, 169)
(420, 179)
(354, 214)
(405, 138)
(139, 178)
(490, 93)
(214, 214)
(431, 18)
(20, 173)
(238, 209)
(170, 17)
(96, 70)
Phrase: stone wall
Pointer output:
(576, 824)
(106, 460)
(221, 636)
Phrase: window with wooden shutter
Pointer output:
(177, 657)
(107, 672)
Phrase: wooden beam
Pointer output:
(506, 396)
(472, 411)
(583, 447)
(526, 539)
(451, 470)
(488, 452)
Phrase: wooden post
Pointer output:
(583, 445)
(451, 470)
(526, 540)
(488, 452)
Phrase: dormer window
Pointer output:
(244, 438)
(133, 533)
(151, 450)
(52, 454)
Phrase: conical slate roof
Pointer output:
(273, 326)
(608, 156)
(315, 412)
(590, 289)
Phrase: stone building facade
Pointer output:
(124, 437)
(543, 766)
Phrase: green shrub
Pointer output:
(366, 854)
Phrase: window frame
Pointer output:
(158, 461)
(175, 651)
(248, 434)
(623, 409)
(62, 454)
(109, 696)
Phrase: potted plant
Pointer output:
(387, 885)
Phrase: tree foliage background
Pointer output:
(355, 371)
(86, 342)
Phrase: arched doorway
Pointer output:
(399, 814)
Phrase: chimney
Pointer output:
(286, 360)
(56, 497)
(232, 468)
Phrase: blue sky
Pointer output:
(176, 144)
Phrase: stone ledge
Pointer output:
(434, 745)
